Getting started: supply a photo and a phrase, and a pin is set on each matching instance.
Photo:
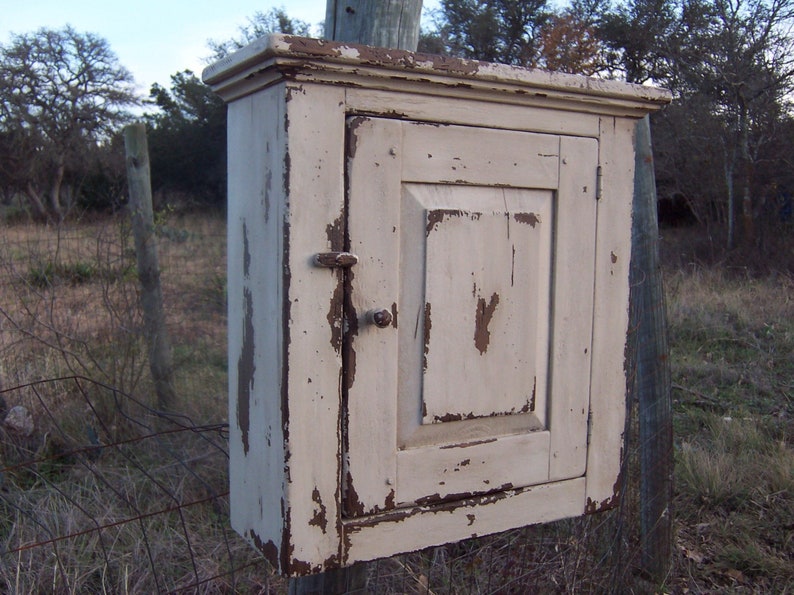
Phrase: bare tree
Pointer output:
(730, 64)
(737, 56)
(62, 93)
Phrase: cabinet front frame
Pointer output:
(311, 209)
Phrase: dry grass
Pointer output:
(69, 305)
(732, 343)
(108, 496)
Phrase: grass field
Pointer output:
(68, 306)
(732, 354)
(105, 495)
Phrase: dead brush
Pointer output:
(108, 495)
(97, 509)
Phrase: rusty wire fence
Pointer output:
(116, 498)
(121, 498)
(100, 492)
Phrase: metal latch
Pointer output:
(334, 260)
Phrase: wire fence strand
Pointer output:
(102, 492)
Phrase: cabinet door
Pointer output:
(469, 315)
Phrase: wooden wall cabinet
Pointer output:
(428, 296)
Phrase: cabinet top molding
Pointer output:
(278, 57)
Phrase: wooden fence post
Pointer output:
(141, 213)
(382, 23)
(652, 384)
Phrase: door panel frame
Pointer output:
(386, 467)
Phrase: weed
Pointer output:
(732, 341)
(51, 273)
(70, 300)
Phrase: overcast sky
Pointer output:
(153, 38)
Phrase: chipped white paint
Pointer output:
(495, 395)
(612, 259)
(256, 433)
(571, 347)
(373, 224)
(487, 277)
(474, 237)
(424, 526)
(329, 61)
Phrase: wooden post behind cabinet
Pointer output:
(428, 296)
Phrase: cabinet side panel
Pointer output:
(257, 147)
(611, 313)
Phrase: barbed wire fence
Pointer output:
(101, 492)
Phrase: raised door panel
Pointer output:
(457, 231)
(487, 272)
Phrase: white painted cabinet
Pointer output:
(428, 296)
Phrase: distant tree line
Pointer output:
(723, 149)
(187, 136)
(64, 98)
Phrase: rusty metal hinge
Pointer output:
(598, 183)
(334, 260)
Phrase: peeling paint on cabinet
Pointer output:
(428, 296)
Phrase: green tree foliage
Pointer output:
(636, 35)
(187, 135)
(63, 94)
(187, 140)
(103, 187)
(527, 34)
(276, 20)
(503, 31)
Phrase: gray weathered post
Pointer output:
(383, 23)
(141, 213)
(652, 373)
